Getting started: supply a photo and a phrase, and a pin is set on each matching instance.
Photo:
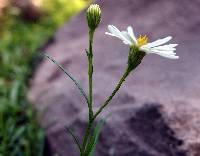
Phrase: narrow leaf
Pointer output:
(94, 138)
(70, 76)
(19, 132)
(75, 138)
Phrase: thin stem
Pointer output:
(86, 136)
(126, 73)
(134, 59)
(90, 106)
(90, 72)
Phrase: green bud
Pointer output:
(93, 16)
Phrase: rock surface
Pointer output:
(156, 112)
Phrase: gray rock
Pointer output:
(156, 112)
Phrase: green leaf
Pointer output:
(70, 76)
(15, 91)
(76, 140)
(90, 148)
(19, 132)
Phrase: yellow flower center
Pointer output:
(142, 40)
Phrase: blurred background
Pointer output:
(25, 26)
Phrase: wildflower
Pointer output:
(141, 43)
(93, 16)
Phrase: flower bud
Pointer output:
(93, 16)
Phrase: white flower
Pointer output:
(156, 47)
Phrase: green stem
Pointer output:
(90, 72)
(90, 106)
(86, 136)
(134, 59)
(126, 73)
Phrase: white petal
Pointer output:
(171, 45)
(132, 35)
(107, 33)
(145, 49)
(113, 30)
(128, 38)
(121, 35)
(167, 54)
(167, 47)
(158, 42)
(125, 42)
(163, 52)
(164, 48)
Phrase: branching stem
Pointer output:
(126, 73)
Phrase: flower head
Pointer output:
(157, 47)
(93, 16)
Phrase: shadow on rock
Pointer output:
(146, 134)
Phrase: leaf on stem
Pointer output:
(90, 148)
(69, 75)
(76, 140)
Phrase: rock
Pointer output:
(156, 112)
